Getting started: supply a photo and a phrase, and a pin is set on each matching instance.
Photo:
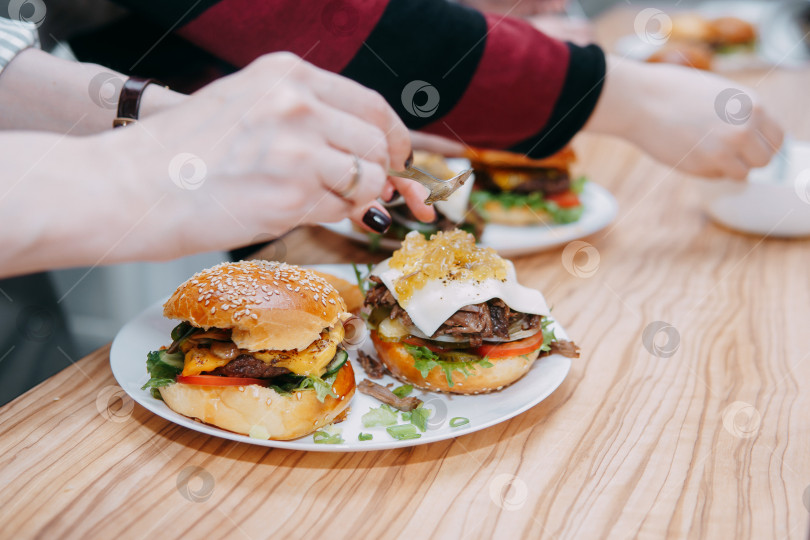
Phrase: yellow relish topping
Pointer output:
(449, 255)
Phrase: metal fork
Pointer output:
(440, 190)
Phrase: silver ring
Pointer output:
(356, 172)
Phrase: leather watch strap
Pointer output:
(129, 101)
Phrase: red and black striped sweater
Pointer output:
(488, 80)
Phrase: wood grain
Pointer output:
(631, 445)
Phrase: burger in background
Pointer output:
(257, 352)
(512, 189)
(695, 40)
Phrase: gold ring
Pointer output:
(355, 172)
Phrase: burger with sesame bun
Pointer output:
(257, 351)
(450, 316)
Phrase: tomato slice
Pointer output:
(566, 199)
(218, 380)
(344, 382)
(511, 348)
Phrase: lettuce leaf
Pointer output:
(534, 200)
(322, 387)
(425, 360)
(163, 368)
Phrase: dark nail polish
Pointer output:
(409, 161)
(393, 196)
(377, 220)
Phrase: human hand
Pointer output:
(272, 146)
(697, 122)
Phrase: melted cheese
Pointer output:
(310, 361)
(433, 303)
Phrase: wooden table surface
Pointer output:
(708, 438)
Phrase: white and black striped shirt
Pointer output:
(15, 37)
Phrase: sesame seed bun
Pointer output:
(504, 371)
(349, 291)
(259, 411)
(268, 305)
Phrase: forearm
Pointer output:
(618, 108)
(68, 201)
(40, 92)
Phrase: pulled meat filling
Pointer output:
(476, 322)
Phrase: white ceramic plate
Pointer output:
(600, 210)
(775, 201)
(149, 330)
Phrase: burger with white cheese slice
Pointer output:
(450, 316)
(258, 351)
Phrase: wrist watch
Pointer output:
(129, 100)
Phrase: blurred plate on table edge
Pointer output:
(600, 209)
(777, 35)
(150, 330)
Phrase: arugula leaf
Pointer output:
(379, 417)
(163, 368)
(403, 391)
(419, 417)
(548, 334)
(425, 360)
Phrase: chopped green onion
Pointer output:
(406, 416)
(459, 421)
(403, 391)
(365, 437)
(419, 417)
(403, 432)
(322, 437)
(379, 417)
